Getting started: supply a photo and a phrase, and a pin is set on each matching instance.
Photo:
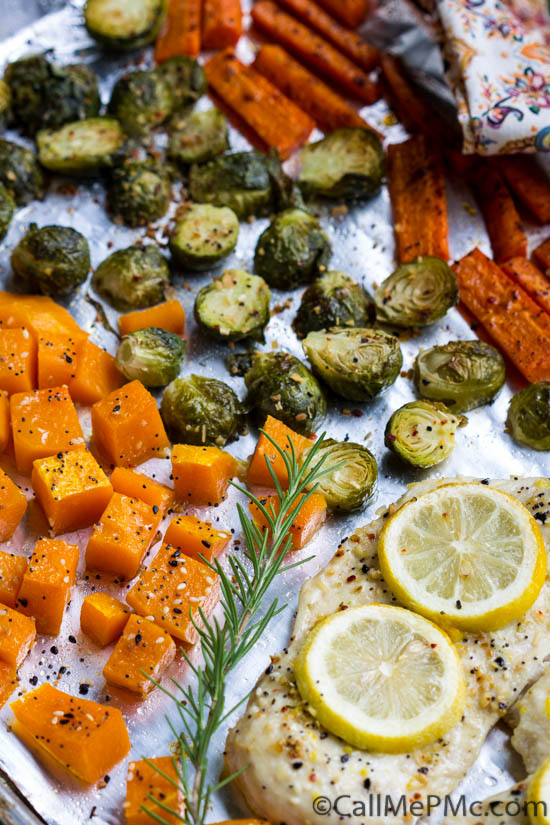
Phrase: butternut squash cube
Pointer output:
(170, 588)
(138, 485)
(8, 682)
(144, 780)
(12, 506)
(72, 489)
(143, 646)
(43, 423)
(57, 355)
(46, 586)
(95, 376)
(201, 474)
(17, 360)
(127, 427)
(258, 474)
(17, 635)
(306, 523)
(168, 315)
(102, 618)
(86, 738)
(122, 537)
(193, 537)
(5, 428)
(12, 570)
(37, 313)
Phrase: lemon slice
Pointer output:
(381, 677)
(464, 555)
(538, 796)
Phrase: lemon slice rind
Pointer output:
(538, 796)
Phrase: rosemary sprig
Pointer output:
(224, 643)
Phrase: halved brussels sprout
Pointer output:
(422, 433)
(351, 485)
(7, 208)
(240, 180)
(528, 418)
(186, 78)
(140, 192)
(52, 259)
(292, 250)
(124, 24)
(132, 278)
(199, 410)
(417, 293)
(5, 105)
(152, 356)
(282, 386)
(20, 173)
(234, 306)
(333, 300)
(461, 374)
(140, 101)
(81, 148)
(357, 364)
(198, 137)
(347, 163)
(204, 236)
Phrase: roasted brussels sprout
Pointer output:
(7, 208)
(124, 24)
(347, 163)
(240, 180)
(199, 410)
(152, 356)
(52, 259)
(198, 137)
(132, 278)
(417, 293)
(20, 173)
(357, 364)
(5, 105)
(528, 418)
(139, 192)
(333, 300)
(204, 236)
(292, 250)
(81, 148)
(282, 386)
(141, 101)
(45, 95)
(352, 480)
(422, 433)
(234, 306)
(461, 374)
(186, 78)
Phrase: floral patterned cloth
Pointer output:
(500, 75)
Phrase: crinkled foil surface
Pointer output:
(364, 247)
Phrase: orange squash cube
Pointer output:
(144, 780)
(258, 474)
(72, 489)
(46, 586)
(8, 682)
(57, 355)
(309, 518)
(193, 537)
(17, 635)
(138, 485)
(17, 360)
(122, 537)
(43, 423)
(201, 474)
(12, 506)
(168, 315)
(86, 738)
(37, 313)
(102, 618)
(5, 427)
(143, 646)
(12, 570)
(95, 376)
(127, 427)
(172, 586)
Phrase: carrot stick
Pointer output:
(528, 182)
(313, 50)
(417, 192)
(517, 324)
(222, 23)
(181, 33)
(542, 256)
(508, 240)
(275, 119)
(350, 12)
(348, 42)
(531, 279)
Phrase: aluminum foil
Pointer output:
(364, 247)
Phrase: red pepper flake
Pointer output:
(351, 578)
(357, 413)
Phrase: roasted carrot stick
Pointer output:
(222, 23)
(542, 256)
(348, 42)
(517, 324)
(350, 12)
(531, 279)
(417, 192)
(275, 119)
(508, 240)
(528, 182)
(181, 33)
(313, 50)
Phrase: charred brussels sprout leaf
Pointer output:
(5, 105)
(282, 386)
(203, 236)
(417, 293)
(84, 147)
(351, 481)
(152, 356)
(20, 173)
(238, 363)
(357, 364)
(186, 78)
(198, 137)
(132, 278)
(292, 250)
(422, 433)
(198, 410)
(7, 208)
(347, 164)
(234, 306)
(141, 101)
(529, 416)
(139, 192)
(461, 374)
(333, 300)
(286, 192)
(123, 25)
(240, 180)
(52, 259)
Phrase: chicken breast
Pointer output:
(297, 773)
(531, 719)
